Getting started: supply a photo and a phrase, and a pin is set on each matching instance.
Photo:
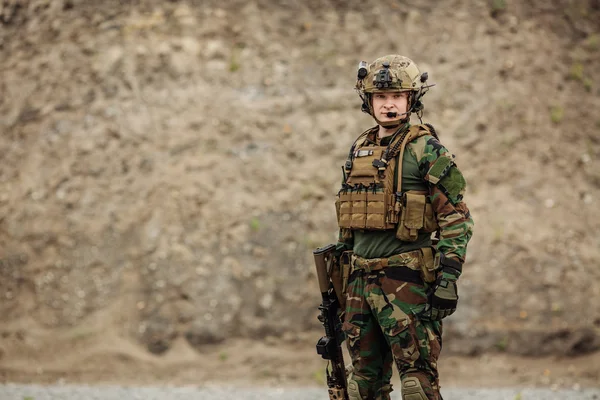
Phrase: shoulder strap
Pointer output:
(360, 140)
(414, 132)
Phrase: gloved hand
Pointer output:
(443, 296)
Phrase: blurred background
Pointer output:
(167, 168)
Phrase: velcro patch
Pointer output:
(439, 169)
(453, 185)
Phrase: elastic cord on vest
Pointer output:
(433, 131)
(391, 152)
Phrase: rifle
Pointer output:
(330, 346)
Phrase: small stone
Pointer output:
(202, 333)
(163, 48)
(37, 195)
(260, 252)
(523, 314)
(266, 301)
(141, 50)
(109, 60)
(215, 49)
(190, 45)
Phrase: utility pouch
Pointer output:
(376, 210)
(345, 264)
(411, 217)
(430, 223)
(344, 207)
(359, 210)
(430, 264)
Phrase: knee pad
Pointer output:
(353, 392)
(412, 389)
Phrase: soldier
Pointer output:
(400, 185)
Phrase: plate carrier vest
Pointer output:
(371, 197)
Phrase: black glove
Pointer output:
(443, 296)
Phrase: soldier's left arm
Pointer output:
(447, 186)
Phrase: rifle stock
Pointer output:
(330, 345)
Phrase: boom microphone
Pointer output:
(392, 114)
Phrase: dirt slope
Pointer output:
(168, 166)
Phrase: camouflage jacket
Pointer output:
(446, 189)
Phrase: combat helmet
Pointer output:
(391, 73)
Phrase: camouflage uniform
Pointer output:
(389, 289)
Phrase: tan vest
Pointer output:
(368, 201)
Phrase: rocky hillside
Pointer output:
(168, 166)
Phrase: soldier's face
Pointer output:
(386, 102)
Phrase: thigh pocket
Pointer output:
(352, 333)
(395, 330)
(403, 344)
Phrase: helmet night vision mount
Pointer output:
(387, 74)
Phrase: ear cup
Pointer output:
(365, 108)
(418, 106)
(415, 102)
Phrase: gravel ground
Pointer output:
(69, 392)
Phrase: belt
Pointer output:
(410, 259)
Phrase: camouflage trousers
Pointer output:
(382, 326)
